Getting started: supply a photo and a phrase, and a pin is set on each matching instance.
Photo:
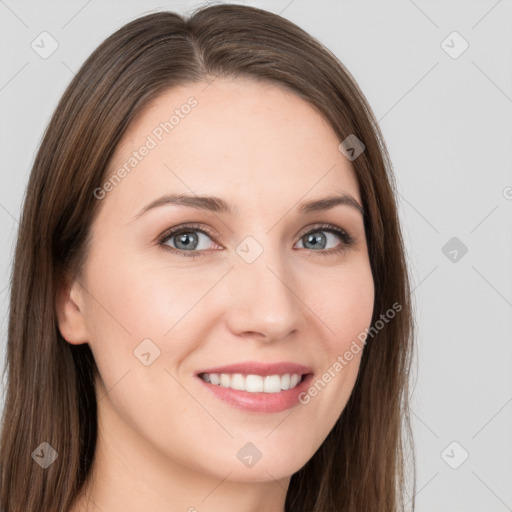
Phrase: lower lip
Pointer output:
(260, 402)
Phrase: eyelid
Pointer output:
(187, 226)
(322, 226)
(347, 239)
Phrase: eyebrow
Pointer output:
(218, 205)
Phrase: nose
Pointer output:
(263, 300)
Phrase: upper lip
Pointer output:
(263, 369)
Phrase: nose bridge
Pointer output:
(262, 297)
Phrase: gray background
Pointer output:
(447, 123)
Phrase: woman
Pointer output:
(210, 306)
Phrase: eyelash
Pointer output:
(347, 240)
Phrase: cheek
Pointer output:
(133, 299)
(141, 298)
(346, 308)
(345, 302)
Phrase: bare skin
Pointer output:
(166, 443)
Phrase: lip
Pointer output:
(260, 402)
(263, 369)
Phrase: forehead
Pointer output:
(233, 136)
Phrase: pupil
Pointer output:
(186, 240)
(312, 239)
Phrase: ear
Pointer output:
(70, 312)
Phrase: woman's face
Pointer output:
(271, 284)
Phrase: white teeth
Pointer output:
(272, 384)
(225, 380)
(237, 382)
(253, 383)
(285, 381)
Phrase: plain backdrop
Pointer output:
(444, 104)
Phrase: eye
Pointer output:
(194, 240)
(187, 239)
(321, 236)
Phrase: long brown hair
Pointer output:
(362, 464)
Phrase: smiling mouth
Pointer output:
(254, 383)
